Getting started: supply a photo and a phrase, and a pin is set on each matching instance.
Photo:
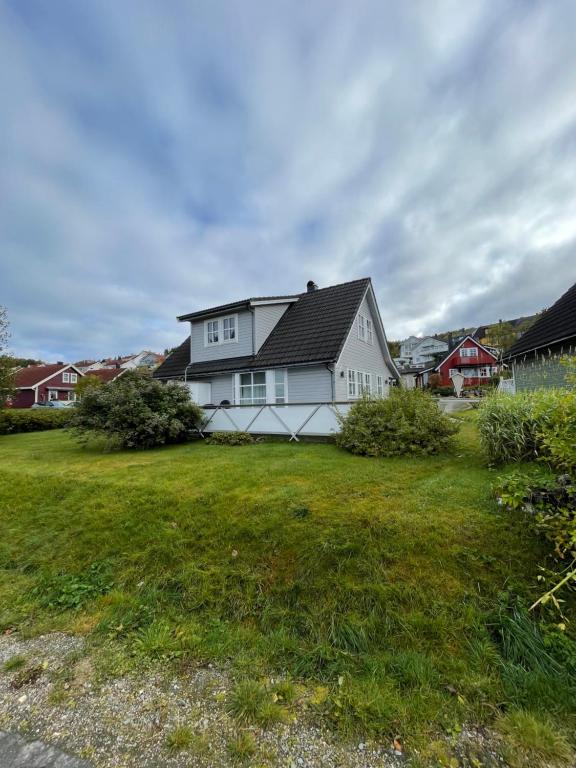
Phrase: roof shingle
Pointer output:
(557, 324)
(34, 374)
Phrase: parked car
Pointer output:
(54, 404)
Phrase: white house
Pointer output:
(418, 351)
(321, 346)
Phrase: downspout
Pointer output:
(332, 382)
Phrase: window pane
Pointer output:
(245, 379)
(259, 378)
(279, 376)
(260, 391)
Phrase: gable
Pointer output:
(266, 317)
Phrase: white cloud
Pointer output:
(159, 158)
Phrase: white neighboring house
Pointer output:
(416, 352)
(144, 359)
(321, 346)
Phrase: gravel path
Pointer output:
(125, 723)
(16, 752)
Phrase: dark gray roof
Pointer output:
(557, 325)
(243, 303)
(312, 330)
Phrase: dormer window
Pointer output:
(220, 331)
(229, 325)
(212, 336)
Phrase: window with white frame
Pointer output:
(223, 330)
(379, 385)
(212, 336)
(484, 372)
(66, 378)
(367, 384)
(359, 383)
(280, 386)
(52, 394)
(452, 371)
(229, 328)
(361, 327)
(469, 352)
(351, 383)
(369, 331)
(73, 378)
(253, 388)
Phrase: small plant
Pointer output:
(182, 737)
(407, 422)
(14, 663)
(252, 702)
(67, 591)
(230, 438)
(242, 746)
(533, 741)
(158, 641)
(27, 676)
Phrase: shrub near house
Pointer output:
(408, 422)
(136, 412)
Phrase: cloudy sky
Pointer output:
(158, 157)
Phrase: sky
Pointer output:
(161, 157)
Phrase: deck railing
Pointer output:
(294, 420)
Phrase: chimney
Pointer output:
(311, 286)
(60, 362)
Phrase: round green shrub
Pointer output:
(408, 421)
(135, 411)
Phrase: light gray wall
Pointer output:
(219, 351)
(222, 388)
(265, 319)
(309, 384)
(360, 356)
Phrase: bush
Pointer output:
(230, 438)
(137, 412)
(512, 426)
(442, 391)
(13, 420)
(408, 421)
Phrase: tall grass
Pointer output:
(511, 426)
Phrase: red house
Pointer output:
(40, 383)
(470, 358)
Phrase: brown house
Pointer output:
(41, 383)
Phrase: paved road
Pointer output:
(453, 404)
(16, 752)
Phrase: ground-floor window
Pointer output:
(360, 383)
(379, 385)
(280, 386)
(52, 394)
(253, 388)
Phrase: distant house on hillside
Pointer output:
(145, 359)
(320, 346)
(418, 351)
(536, 356)
(106, 375)
(41, 383)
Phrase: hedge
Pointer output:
(13, 420)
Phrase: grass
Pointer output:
(183, 738)
(242, 747)
(14, 663)
(398, 594)
(533, 741)
(252, 702)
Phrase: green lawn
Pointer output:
(384, 584)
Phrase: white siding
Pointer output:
(265, 319)
(309, 384)
(219, 351)
(222, 388)
(361, 356)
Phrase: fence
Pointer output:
(508, 386)
(293, 421)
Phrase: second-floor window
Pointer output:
(369, 331)
(469, 352)
(66, 378)
(73, 378)
(223, 330)
(361, 327)
(212, 336)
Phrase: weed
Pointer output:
(14, 663)
(242, 746)
(532, 740)
(182, 737)
(252, 702)
(26, 676)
